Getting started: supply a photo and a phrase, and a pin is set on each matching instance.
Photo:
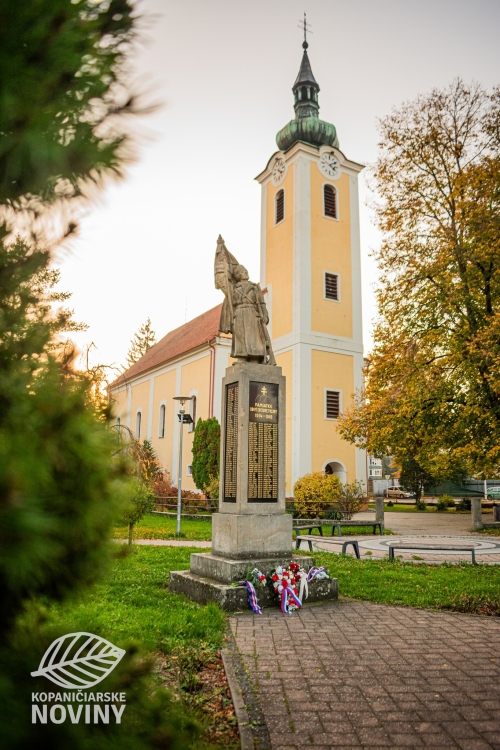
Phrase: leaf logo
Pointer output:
(79, 660)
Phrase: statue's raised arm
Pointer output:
(244, 312)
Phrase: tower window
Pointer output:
(161, 425)
(138, 418)
(280, 206)
(331, 286)
(332, 404)
(330, 201)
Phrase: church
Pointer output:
(310, 275)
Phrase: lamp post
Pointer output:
(183, 418)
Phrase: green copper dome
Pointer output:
(306, 127)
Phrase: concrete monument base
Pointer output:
(241, 536)
(211, 576)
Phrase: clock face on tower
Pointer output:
(278, 170)
(329, 166)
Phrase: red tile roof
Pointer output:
(189, 336)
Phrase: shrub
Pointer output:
(350, 499)
(206, 454)
(464, 505)
(390, 504)
(315, 493)
(444, 502)
(420, 504)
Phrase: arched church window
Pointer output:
(161, 425)
(280, 206)
(138, 418)
(330, 201)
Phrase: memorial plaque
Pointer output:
(231, 443)
(263, 443)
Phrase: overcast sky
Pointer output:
(222, 71)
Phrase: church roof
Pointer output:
(189, 336)
(305, 74)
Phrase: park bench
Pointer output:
(374, 524)
(306, 527)
(431, 548)
(310, 539)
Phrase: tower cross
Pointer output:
(307, 28)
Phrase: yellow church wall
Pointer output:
(279, 256)
(331, 251)
(119, 402)
(285, 361)
(164, 391)
(140, 400)
(334, 372)
(195, 376)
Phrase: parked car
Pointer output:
(493, 493)
(398, 492)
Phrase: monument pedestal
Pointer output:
(252, 529)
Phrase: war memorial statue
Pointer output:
(244, 312)
(252, 528)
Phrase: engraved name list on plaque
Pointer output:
(231, 444)
(263, 443)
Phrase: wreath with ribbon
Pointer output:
(290, 584)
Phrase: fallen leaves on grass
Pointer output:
(198, 679)
(475, 604)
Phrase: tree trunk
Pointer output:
(130, 533)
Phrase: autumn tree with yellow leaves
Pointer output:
(432, 386)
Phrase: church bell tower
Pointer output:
(310, 266)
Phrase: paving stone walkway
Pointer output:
(348, 675)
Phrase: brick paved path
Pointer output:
(361, 675)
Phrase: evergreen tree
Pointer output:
(142, 341)
(61, 487)
(206, 453)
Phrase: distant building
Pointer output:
(374, 468)
(310, 273)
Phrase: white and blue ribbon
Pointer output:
(286, 594)
(319, 573)
(252, 597)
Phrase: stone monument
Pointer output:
(251, 528)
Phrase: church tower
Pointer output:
(310, 266)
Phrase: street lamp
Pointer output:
(183, 419)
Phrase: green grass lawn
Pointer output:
(462, 587)
(133, 608)
(157, 526)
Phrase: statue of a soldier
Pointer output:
(244, 312)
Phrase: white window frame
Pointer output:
(164, 405)
(337, 201)
(339, 391)
(284, 206)
(189, 470)
(138, 414)
(339, 286)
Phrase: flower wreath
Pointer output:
(254, 579)
(285, 583)
(290, 584)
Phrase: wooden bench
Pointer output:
(306, 527)
(310, 539)
(374, 524)
(431, 548)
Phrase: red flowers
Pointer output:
(275, 577)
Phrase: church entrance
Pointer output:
(335, 467)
